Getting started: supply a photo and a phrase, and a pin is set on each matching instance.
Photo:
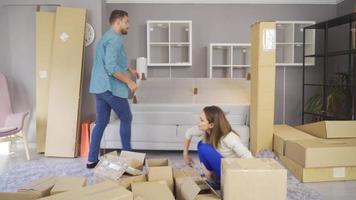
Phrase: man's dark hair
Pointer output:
(117, 14)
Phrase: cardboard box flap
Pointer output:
(184, 172)
(253, 164)
(64, 184)
(104, 190)
(135, 159)
(189, 189)
(330, 129)
(110, 167)
(43, 185)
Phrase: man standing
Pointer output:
(110, 84)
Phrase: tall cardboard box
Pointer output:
(320, 174)
(251, 179)
(330, 129)
(63, 123)
(282, 133)
(263, 72)
(160, 170)
(101, 191)
(152, 191)
(64, 184)
(44, 41)
(322, 152)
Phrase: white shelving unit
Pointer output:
(228, 60)
(169, 43)
(289, 44)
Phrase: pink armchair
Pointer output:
(12, 125)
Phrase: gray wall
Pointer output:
(345, 7)
(218, 24)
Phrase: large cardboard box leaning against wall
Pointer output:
(253, 179)
(160, 170)
(64, 104)
(283, 133)
(262, 85)
(157, 190)
(44, 40)
(322, 152)
(105, 190)
(330, 129)
(318, 174)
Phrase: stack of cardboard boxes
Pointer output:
(321, 151)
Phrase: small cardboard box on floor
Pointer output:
(193, 188)
(251, 179)
(330, 129)
(263, 72)
(284, 133)
(155, 190)
(322, 152)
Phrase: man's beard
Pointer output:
(123, 32)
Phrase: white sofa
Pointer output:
(166, 108)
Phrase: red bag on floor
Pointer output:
(85, 139)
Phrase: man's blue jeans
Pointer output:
(104, 103)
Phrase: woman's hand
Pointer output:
(134, 72)
(188, 160)
(132, 86)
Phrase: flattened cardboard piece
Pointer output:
(64, 184)
(282, 133)
(322, 152)
(126, 180)
(19, 195)
(135, 159)
(64, 103)
(105, 190)
(110, 167)
(307, 175)
(330, 129)
(42, 186)
(263, 58)
(241, 176)
(152, 191)
(45, 22)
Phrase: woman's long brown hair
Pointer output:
(221, 126)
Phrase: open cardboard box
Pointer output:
(160, 170)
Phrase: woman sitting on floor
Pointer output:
(218, 141)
